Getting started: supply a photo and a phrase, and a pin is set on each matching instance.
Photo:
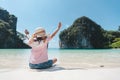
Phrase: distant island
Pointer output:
(86, 34)
(9, 37)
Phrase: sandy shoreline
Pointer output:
(82, 65)
(58, 73)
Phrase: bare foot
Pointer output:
(54, 60)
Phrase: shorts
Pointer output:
(43, 65)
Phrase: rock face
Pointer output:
(8, 33)
(83, 33)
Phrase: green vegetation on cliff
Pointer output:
(85, 33)
(115, 43)
(111, 39)
(8, 33)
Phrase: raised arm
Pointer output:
(27, 34)
(30, 39)
(58, 28)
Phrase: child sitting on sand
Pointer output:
(39, 43)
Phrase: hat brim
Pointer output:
(42, 35)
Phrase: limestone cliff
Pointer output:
(83, 33)
(8, 33)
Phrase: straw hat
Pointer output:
(40, 29)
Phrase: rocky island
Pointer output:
(9, 37)
(85, 33)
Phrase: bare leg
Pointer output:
(54, 60)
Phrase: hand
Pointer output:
(59, 25)
(26, 32)
(54, 33)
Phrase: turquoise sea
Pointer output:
(67, 58)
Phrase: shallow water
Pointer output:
(67, 58)
(90, 58)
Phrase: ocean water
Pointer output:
(67, 58)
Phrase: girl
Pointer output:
(39, 42)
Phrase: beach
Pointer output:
(79, 38)
(71, 65)
(62, 74)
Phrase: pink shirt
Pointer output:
(39, 53)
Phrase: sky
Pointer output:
(48, 13)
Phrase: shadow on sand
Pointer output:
(56, 68)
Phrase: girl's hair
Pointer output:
(39, 39)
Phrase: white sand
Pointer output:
(57, 73)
